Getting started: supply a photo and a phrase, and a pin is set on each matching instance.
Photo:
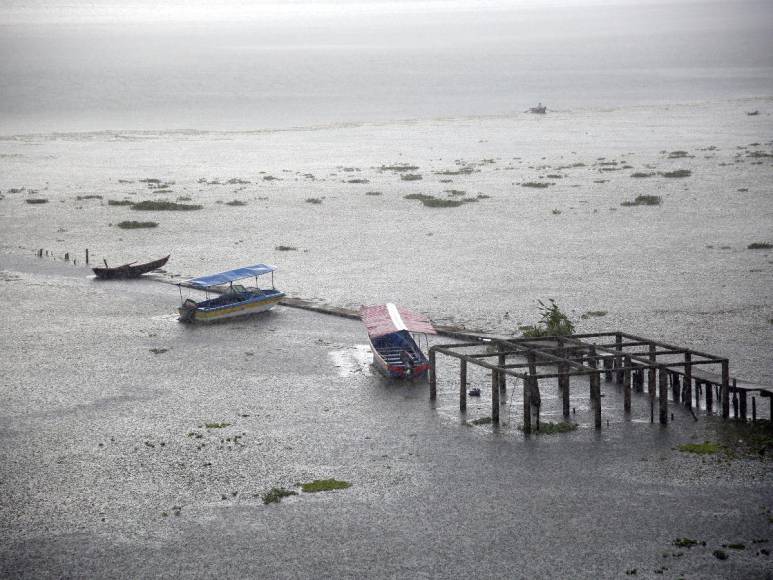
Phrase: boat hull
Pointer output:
(204, 313)
(397, 356)
(128, 271)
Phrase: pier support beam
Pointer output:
(725, 392)
(627, 385)
(688, 380)
(619, 378)
(676, 387)
(743, 400)
(463, 385)
(595, 399)
(663, 395)
(495, 385)
(652, 382)
(432, 376)
(709, 388)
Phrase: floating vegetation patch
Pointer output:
(91, 196)
(643, 174)
(594, 314)
(550, 428)
(160, 205)
(720, 554)
(554, 176)
(216, 425)
(238, 181)
(432, 201)
(600, 181)
(184, 198)
(276, 494)
(119, 202)
(677, 173)
(314, 200)
(372, 193)
(752, 246)
(537, 184)
(678, 154)
(455, 192)
(556, 212)
(643, 200)
(158, 350)
(464, 170)
(36, 200)
(411, 177)
(135, 225)
(358, 180)
(286, 248)
(236, 202)
(324, 485)
(705, 448)
(419, 196)
(399, 167)
(687, 543)
(271, 178)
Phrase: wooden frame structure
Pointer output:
(618, 356)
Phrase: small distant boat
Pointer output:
(540, 109)
(236, 301)
(128, 270)
(395, 352)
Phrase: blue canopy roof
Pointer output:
(230, 276)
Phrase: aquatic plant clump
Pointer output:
(411, 177)
(643, 200)
(550, 428)
(537, 184)
(752, 246)
(677, 173)
(36, 200)
(705, 448)
(276, 494)
(324, 485)
(119, 202)
(236, 202)
(552, 322)
(134, 225)
(149, 205)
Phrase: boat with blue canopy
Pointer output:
(234, 299)
(395, 351)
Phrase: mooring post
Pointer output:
(754, 409)
(527, 405)
(87, 255)
(432, 376)
(619, 376)
(563, 380)
(709, 388)
(495, 397)
(627, 384)
(462, 385)
(725, 392)
(735, 400)
(608, 364)
(663, 395)
(502, 376)
(651, 384)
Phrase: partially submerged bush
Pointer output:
(537, 184)
(149, 205)
(411, 177)
(276, 494)
(236, 202)
(643, 174)
(36, 200)
(752, 246)
(324, 485)
(552, 322)
(677, 173)
(119, 202)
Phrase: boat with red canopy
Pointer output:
(395, 352)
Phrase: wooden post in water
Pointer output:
(627, 384)
(595, 399)
(563, 387)
(495, 386)
(608, 363)
(619, 377)
(87, 255)
(432, 376)
(725, 392)
(502, 376)
(652, 381)
(462, 385)
(663, 395)
(754, 409)
(709, 388)
(688, 379)
(527, 388)
(735, 400)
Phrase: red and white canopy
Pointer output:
(388, 318)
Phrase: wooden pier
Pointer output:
(619, 357)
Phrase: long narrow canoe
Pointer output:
(128, 270)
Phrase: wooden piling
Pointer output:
(725, 392)
(735, 400)
(627, 384)
(563, 387)
(595, 399)
(527, 405)
(709, 397)
(619, 377)
(502, 376)
(462, 385)
(663, 395)
(688, 380)
(432, 376)
(607, 362)
(743, 400)
(676, 388)
(495, 385)
(754, 409)
(652, 382)
(87, 255)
